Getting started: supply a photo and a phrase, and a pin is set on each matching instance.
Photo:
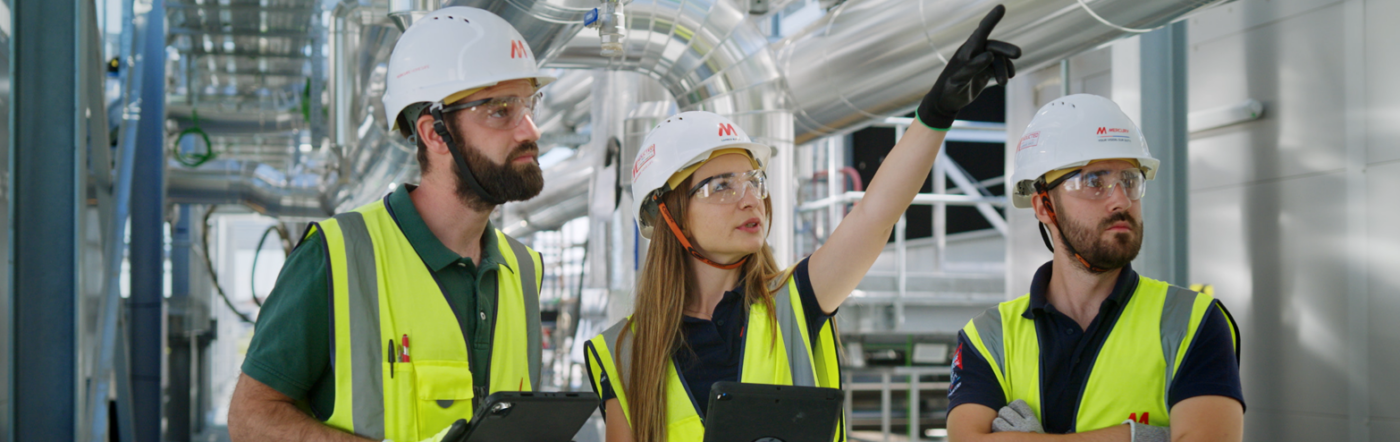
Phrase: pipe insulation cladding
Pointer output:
(870, 59)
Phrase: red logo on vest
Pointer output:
(517, 49)
(1134, 417)
(957, 357)
(727, 129)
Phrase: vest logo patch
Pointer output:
(1134, 417)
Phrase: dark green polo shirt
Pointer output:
(290, 350)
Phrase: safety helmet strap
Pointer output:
(676, 229)
(465, 174)
(1043, 192)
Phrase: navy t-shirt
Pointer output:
(1067, 354)
(713, 350)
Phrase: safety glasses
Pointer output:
(499, 112)
(1100, 184)
(729, 188)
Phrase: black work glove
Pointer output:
(967, 73)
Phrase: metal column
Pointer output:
(48, 193)
(1165, 242)
(181, 360)
(147, 252)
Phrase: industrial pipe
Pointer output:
(871, 59)
(261, 187)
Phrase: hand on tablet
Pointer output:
(455, 433)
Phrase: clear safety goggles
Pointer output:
(729, 188)
(499, 112)
(1100, 184)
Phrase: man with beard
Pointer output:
(394, 321)
(1095, 352)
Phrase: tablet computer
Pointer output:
(772, 413)
(517, 416)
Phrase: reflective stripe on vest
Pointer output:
(1133, 371)
(789, 365)
(380, 291)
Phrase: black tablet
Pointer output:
(514, 416)
(772, 413)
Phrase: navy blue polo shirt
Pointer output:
(713, 350)
(1067, 354)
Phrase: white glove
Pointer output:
(1148, 433)
(1017, 416)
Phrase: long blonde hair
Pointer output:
(656, 318)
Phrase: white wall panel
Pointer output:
(1277, 253)
(1293, 66)
(1384, 285)
(1266, 425)
(1242, 15)
(1382, 66)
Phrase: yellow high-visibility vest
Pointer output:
(790, 360)
(1134, 369)
(381, 291)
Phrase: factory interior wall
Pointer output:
(1289, 214)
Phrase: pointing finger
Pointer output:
(984, 30)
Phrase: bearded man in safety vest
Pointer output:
(392, 321)
(1094, 349)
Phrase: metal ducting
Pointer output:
(546, 24)
(710, 58)
(706, 54)
(365, 158)
(870, 59)
(564, 197)
(258, 186)
(565, 105)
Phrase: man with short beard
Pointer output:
(1095, 352)
(395, 320)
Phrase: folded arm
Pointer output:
(973, 423)
(1208, 418)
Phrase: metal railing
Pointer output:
(969, 192)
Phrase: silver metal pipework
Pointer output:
(261, 187)
(871, 59)
(405, 12)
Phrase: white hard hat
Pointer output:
(1070, 132)
(681, 143)
(451, 50)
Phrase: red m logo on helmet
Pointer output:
(727, 129)
(1102, 131)
(517, 49)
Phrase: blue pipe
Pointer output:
(147, 249)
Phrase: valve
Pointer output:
(611, 30)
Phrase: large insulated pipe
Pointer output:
(871, 59)
(565, 105)
(342, 89)
(261, 187)
(546, 25)
(709, 57)
(405, 12)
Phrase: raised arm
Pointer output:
(839, 265)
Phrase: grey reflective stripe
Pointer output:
(526, 261)
(621, 354)
(988, 326)
(1176, 318)
(366, 350)
(799, 362)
